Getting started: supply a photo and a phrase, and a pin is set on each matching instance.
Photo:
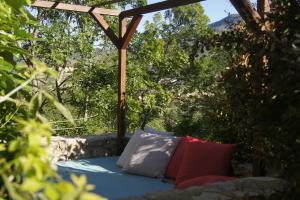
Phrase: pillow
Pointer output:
(203, 180)
(152, 155)
(175, 162)
(151, 130)
(129, 149)
(203, 159)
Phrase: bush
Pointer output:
(257, 101)
(25, 133)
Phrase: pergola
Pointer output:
(252, 16)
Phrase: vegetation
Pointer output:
(25, 132)
(256, 102)
(86, 61)
(240, 87)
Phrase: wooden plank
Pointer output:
(247, 12)
(75, 8)
(130, 31)
(105, 27)
(156, 7)
(121, 90)
(104, 11)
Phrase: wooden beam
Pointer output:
(156, 7)
(247, 12)
(130, 31)
(105, 27)
(121, 89)
(75, 8)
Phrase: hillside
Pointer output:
(224, 23)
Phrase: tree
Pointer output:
(25, 132)
(173, 54)
(256, 103)
(74, 45)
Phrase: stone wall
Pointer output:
(251, 188)
(65, 148)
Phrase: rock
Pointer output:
(66, 148)
(242, 170)
(244, 188)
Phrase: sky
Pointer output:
(214, 9)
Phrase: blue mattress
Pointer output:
(109, 179)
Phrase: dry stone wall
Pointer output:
(65, 148)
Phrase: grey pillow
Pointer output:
(152, 155)
(129, 149)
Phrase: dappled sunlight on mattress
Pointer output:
(109, 179)
(83, 165)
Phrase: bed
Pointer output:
(109, 179)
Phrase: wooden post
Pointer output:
(125, 35)
(121, 88)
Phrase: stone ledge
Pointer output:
(258, 188)
(74, 148)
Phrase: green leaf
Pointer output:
(51, 193)
(91, 196)
(35, 103)
(63, 110)
(32, 185)
(79, 181)
(5, 66)
(2, 147)
(8, 57)
(10, 188)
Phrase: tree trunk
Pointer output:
(86, 108)
(58, 92)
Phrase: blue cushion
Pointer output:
(109, 179)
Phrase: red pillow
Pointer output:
(175, 162)
(203, 159)
(203, 180)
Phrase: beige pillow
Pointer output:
(129, 149)
(152, 155)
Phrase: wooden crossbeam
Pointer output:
(130, 31)
(75, 8)
(105, 27)
(156, 7)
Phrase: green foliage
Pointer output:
(256, 103)
(166, 62)
(158, 62)
(25, 134)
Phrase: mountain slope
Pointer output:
(223, 24)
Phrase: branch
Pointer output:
(247, 12)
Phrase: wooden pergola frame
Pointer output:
(250, 15)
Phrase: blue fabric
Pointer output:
(108, 178)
